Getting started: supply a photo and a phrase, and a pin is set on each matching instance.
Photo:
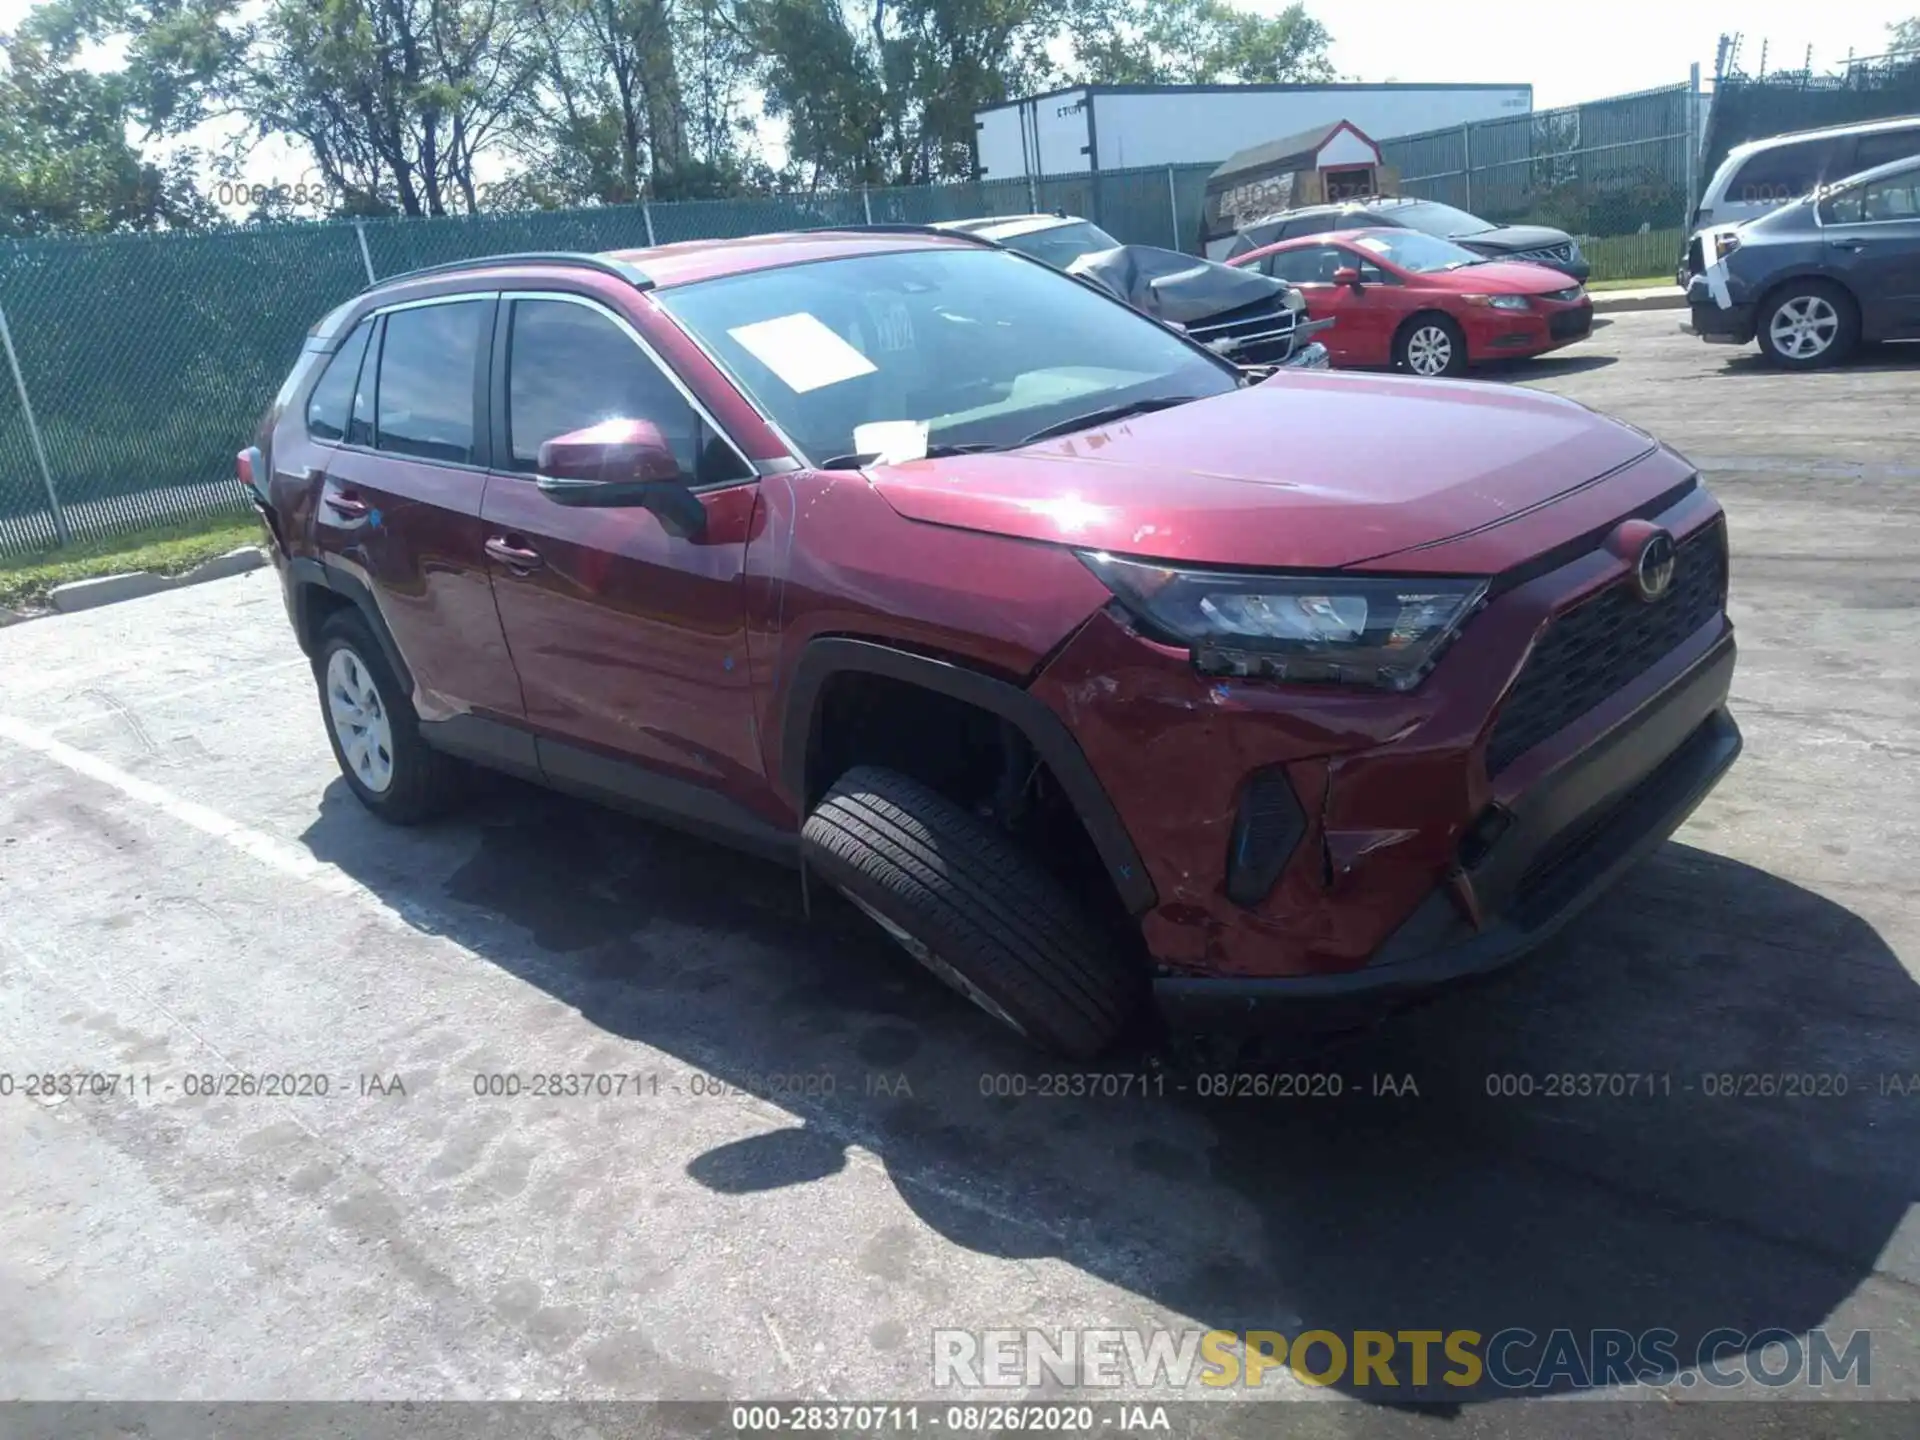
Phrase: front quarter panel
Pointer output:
(833, 558)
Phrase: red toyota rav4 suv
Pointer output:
(1083, 665)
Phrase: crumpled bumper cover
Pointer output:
(1571, 837)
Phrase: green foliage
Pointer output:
(1903, 36)
(446, 107)
(65, 161)
(1198, 42)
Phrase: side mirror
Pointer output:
(1347, 275)
(620, 464)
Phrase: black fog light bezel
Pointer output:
(1268, 825)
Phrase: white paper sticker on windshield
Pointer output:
(803, 352)
(891, 442)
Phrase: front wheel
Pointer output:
(956, 894)
(1431, 345)
(1808, 324)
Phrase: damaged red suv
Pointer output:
(1091, 671)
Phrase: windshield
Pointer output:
(1061, 245)
(871, 353)
(1411, 250)
(1435, 219)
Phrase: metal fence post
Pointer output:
(866, 203)
(1173, 208)
(646, 213)
(1033, 195)
(1693, 147)
(1466, 162)
(366, 255)
(33, 432)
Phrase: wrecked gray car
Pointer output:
(1253, 320)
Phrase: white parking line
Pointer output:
(288, 859)
(119, 705)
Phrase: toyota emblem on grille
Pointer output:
(1653, 571)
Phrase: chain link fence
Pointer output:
(1880, 87)
(138, 365)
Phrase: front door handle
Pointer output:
(1856, 246)
(515, 557)
(346, 504)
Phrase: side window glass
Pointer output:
(1313, 265)
(1893, 198)
(1786, 172)
(331, 403)
(569, 367)
(1887, 145)
(424, 404)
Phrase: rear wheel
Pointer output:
(1807, 324)
(956, 894)
(1431, 345)
(373, 728)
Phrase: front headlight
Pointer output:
(1507, 302)
(1327, 629)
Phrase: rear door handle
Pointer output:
(514, 557)
(1854, 245)
(346, 504)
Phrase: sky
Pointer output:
(1568, 52)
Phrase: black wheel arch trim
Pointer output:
(1052, 741)
(305, 575)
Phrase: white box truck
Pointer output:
(1097, 128)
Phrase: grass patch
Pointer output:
(164, 549)
(1645, 282)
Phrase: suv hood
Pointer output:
(1303, 471)
(1514, 237)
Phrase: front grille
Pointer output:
(1604, 643)
(1256, 334)
(1565, 324)
(1548, 254)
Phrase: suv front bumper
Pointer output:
(1572, 836)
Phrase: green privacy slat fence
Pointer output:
(147, 359)
(1611, 168)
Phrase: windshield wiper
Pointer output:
(1106, 416)
(933, 452)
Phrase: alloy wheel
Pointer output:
(1429, 350)
(1804, 327)
(360, 721)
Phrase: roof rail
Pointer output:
(604, 264)
(890, 228)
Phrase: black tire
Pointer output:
(973, 908)
(1835, 319)
(423, 781)
(1421, 325)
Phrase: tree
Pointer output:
(1905, 35)
(1197, 42)
(66, 164)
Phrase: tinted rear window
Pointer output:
(427, 361)
(332, 399)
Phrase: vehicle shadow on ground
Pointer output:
(1463, 1195)
(1544, 367)
(1871, 359)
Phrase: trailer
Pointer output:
(1097, 128)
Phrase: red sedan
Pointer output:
(1418, 303)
